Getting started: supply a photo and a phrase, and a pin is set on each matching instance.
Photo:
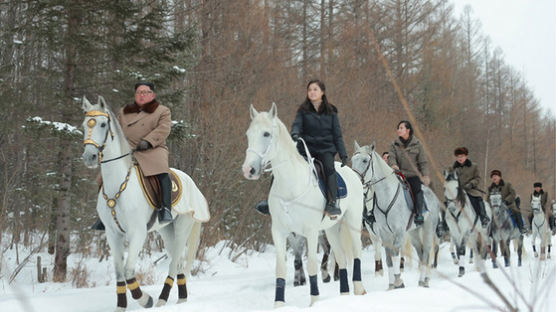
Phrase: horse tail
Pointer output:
(192, 245)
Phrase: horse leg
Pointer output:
(453, 252)
(519, 249)
(505, 251)
(471, 254)
(548, 254)
(494, 254)
(436, 250)
(398, 282)
(352, 237)
(137, 238)
(297, 244)
(461, 253)
(418, 245)
(323, 242)
(333, 235)
(280, 245)
(377, 244)
(116, 243)
(167, 234)
(312, 264)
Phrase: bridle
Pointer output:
(91, 124)
(362, 174)
(265, 161)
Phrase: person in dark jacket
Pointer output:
(538, 191)
(469, 179)
(508, 195)
(408, 155)
(317, 123)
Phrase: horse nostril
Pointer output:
(94, 156)
(252, 171)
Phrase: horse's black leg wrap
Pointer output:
(280, 289)
(182, 288)
(133, 286)
(356, 270)
(314, 285)
(121, 291)
(344, 287)
(166, 289)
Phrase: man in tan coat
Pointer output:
(508, 196)
(146, 125)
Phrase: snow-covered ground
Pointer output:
(248, 285)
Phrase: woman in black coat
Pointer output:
(317, 123)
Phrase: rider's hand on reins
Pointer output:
(143, 145)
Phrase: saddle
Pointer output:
(342, 190)
(153, 191)
(407, 191)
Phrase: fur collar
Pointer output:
(147, 108)
(539, 193)
(467, 163)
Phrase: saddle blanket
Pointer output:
(342, 190)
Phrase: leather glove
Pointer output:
(295, 137)
(426, 180)
(143, 145)
(344, 161)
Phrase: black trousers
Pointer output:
(415, 184)
(327, 160)
(476, 203)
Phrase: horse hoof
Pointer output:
(400, 286)
(461, 271)
(296, 283)
(390, 286)
(548, 256)
(160, 303)
(119, 309)
(182, 300)
(358, 288)
(379, 273)
(519, 262)
(279, 304)
(536, 254)
(326, 279)
(313, 300)
(421, 284)
(146, 301)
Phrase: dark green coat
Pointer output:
(507, 191)
(408, 158)
(544, 202)
(469, 178)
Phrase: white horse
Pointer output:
(393, 217)
(539, 226)
(297, 204)
(462, 220)
(504, 229)
(125, 212)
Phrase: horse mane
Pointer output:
(118, 131)
(382, 165)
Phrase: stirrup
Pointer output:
(164, 215)
(262, 207)
(332, 210)
(418, 219)
(98, 226)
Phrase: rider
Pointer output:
(317, 123)
(508, 195)
(146, 125)
(469, 179)
(538, 191)
(385, 156)
(408, 155)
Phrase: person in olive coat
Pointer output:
(408, 155)
(469, 179)
(317, 123)
(508, 196)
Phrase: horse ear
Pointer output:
(252, 111)
(373, 145)
(273, 110)
(445, 173)
(102, 102)
(86, 105)
(357, 147)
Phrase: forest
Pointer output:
(381, 60)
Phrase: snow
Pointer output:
(58, 126)
(248, 285)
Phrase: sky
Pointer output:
(526, 31)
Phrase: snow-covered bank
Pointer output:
(248, 285)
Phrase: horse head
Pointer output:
(361, 159)
(97, 128)
(452, 190)
(262, 138)
(496, 201)
(536, 204)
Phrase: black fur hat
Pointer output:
(537, 184)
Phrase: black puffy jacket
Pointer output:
(321, 132)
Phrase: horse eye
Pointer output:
(266, 134)
(103, 124)
(365, 161)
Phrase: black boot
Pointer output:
(99, 226)
(519, 221)
(418, 208)
(262, 207)
(332, 190)
(164, 212)
(482, 213)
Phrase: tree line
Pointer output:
(210, 59)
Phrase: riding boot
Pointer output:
(331, 208)
(262, 207)
(164, 212)
(482, 214)
(418, 208)
(519, 221)
(99, 226)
